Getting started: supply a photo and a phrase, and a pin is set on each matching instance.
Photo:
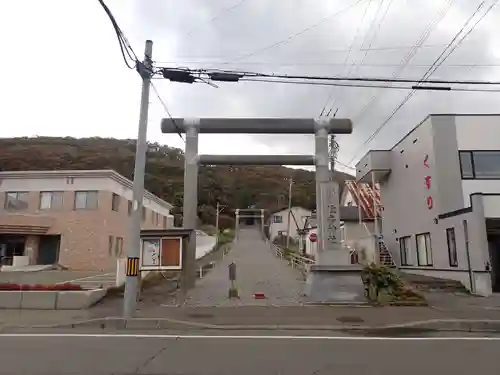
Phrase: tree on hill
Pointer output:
(233, 186)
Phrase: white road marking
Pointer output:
(87, 278)
(251, 337)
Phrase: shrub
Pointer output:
(381, 282)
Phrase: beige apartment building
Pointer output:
(78, 219)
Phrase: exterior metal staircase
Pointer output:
(384, 255)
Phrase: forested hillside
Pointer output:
(235, 187)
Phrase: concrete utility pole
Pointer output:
(219, 209)
(289, 213)
(134, 243)
(217, 223)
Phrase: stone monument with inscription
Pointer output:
(332, 279)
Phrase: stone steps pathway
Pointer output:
(258, 270)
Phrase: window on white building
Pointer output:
(277, 219)
(404, 250)
(486, 164)
(452, 247)
(85, 200)
(466, 165)
(16, 200)
(424, 249)
(51, 200)
(480, 164)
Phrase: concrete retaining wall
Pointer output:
(204, 244)
(47, 300)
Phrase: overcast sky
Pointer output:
(61, 72)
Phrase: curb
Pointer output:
(456, 325)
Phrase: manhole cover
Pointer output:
(350, 319)
(200, 315)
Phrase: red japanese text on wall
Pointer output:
(427, 180)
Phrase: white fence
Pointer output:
(303, 263)
(295, 260)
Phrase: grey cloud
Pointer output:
(256, 24)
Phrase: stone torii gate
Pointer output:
(331, 278)
(248, 213)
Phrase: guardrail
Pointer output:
(302, 263)
(295, 260)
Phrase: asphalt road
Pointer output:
(192, 355)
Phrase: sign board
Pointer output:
(132, 268)
(330, 216)
(313, 237)
(159, 254)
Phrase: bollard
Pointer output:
(233, 291)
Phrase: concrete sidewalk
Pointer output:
(264, 318)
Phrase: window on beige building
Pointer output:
(85, 200)
(164, 221)
(156, 218)
(143, 213)
(16, 200)
(118, 246)
(110, 245)
(115, 202)
(51, 200)
(115, 246)
(129, 208)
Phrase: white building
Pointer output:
(279, 222)
(353, 233)
(440, 187)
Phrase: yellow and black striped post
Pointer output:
(132, 266)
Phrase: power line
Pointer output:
(293, 36)
(374, 37)
(351, 46)
(334, 92)
(374, 65)
(431, 70)
(335, 50)
(167, 111)
(374, 86)
(125, 48)
(344, 165)
(406, 60)
(218, 15)
(249, 74)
